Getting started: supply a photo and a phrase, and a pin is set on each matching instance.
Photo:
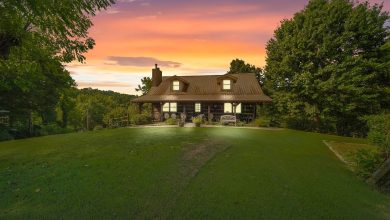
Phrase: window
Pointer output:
(227, 108)
(166, 107)
(175, 85)
(173, 107)
(170, 107)
(238, 108)
(197, 107)
(226, 84)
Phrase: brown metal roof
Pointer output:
(207, 88)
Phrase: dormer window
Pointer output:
(227, 84)
(175, 85)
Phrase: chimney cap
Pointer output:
(156, 66)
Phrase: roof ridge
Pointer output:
(208, 75)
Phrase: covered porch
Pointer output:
(211, 111)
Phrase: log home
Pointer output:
(208, 95)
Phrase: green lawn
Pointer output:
(182, 173)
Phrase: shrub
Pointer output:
(379, 131)
(197, 121)
(262, 122)
(98, 127)
(52, 129)
(171, 121)
(140, 119)
(367, 161)
(240, 124)
(5, 135)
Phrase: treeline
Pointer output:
(78, 110)
(95, 109)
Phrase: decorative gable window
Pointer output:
(175, 85)
(170, 107)
(198, 107)
(226, 84)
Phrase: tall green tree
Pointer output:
(61, 26)
(326, 68)
(146, 85)
(238, 66)
(36, 38)
(32, 81)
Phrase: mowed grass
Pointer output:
(182, 173)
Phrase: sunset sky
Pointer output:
(183, 37)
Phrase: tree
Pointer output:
(238, 66)
(36, 38)
(66, 104)
(146, 85)
(325, 66)
(32, 81)
(61, 26)
(95, 108)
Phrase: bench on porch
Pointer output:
(225, 119)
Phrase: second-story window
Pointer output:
(175, 85)
(226, 84)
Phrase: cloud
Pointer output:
(112, 11)
(145, 4)
(147, 17)
(127, 1)
(84, 84)
(141, 62)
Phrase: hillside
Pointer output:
(194, 173)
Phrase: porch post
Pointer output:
(208, 112)
(234, 112)
(185, 113)
(161, 112)
(152, 112)
(255, 111)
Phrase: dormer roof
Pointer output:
(178, 78)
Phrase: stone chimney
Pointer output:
(156, 76)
